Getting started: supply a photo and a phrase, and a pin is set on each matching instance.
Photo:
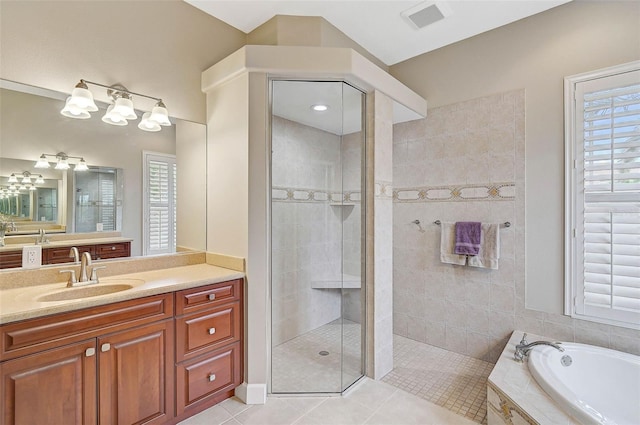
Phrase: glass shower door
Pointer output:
(317, 295)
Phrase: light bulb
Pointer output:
(113, 118)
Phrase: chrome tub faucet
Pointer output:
(523, 348)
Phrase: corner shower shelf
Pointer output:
(347, 282)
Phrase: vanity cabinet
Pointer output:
(10, 259)
(111, 363)
(208, 345)
(152, 360)
(60, 255)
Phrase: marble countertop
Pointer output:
(21, 303)
(65, 243)
(516, 382)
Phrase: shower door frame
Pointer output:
(364, 218)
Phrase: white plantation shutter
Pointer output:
(160, 203)
(605, 192)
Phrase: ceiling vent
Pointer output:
(426, 14)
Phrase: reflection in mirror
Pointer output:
(77, 201)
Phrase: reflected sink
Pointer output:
(92, 290)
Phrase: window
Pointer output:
(602, 123)
(159, 203)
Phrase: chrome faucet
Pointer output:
(523, 348)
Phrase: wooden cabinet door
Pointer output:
(55, 386)
(136, 384)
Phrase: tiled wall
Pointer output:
(466, 162)
(308, 231)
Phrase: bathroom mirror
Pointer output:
(31, 125)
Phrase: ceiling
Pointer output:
(377, 25)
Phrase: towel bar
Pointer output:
(505, 224)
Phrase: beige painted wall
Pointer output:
(156, 48)
(534, 54)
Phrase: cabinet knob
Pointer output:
(212, 331)
(212, 377)
(212, 297)
(113, 248)
(90, 352)
(105, 347)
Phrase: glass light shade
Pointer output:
(13, 178)
(22, 187)
(160, 115)
(113, 118)
(148, 125)
(32, 188)
(39, 180)
(62, 165)
(73, 111)
(12, 187)
(124, 107)
(42, 162)
(26, 180)
(81, 165)
(83, 99)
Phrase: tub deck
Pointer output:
(513, 395)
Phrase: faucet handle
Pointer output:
(523, 341)
(94, 273)
(72, 276)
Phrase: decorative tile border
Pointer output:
(384, 190)
(289, 194)
(505, 409)
(474, 192)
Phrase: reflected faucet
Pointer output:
(42, 239)
(523, 348)
(73, 253)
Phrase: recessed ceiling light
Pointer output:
(319, 108)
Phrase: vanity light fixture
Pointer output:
(80, 103)
(32, 188)
(62, 161)
(39, 180)
(13, 178)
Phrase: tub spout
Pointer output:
(523, 348)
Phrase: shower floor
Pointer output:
(451, 380)
(298, 366)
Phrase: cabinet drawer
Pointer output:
(30, 336)
(207, 330)
(61, 255)
(113, 250)
(207, 379)
(204, 297)
(10, 259)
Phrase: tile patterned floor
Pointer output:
(450, 380)
(368, 403)
(297, 365)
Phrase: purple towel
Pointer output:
(468, 237)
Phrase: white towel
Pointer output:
(448, 243)
(489, 253)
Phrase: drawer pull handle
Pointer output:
(212, 331)
(90, 352)
(212, 297)
(105, 347)
(212, 377)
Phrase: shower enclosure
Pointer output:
(317, 236)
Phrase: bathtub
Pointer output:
(595, 385)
